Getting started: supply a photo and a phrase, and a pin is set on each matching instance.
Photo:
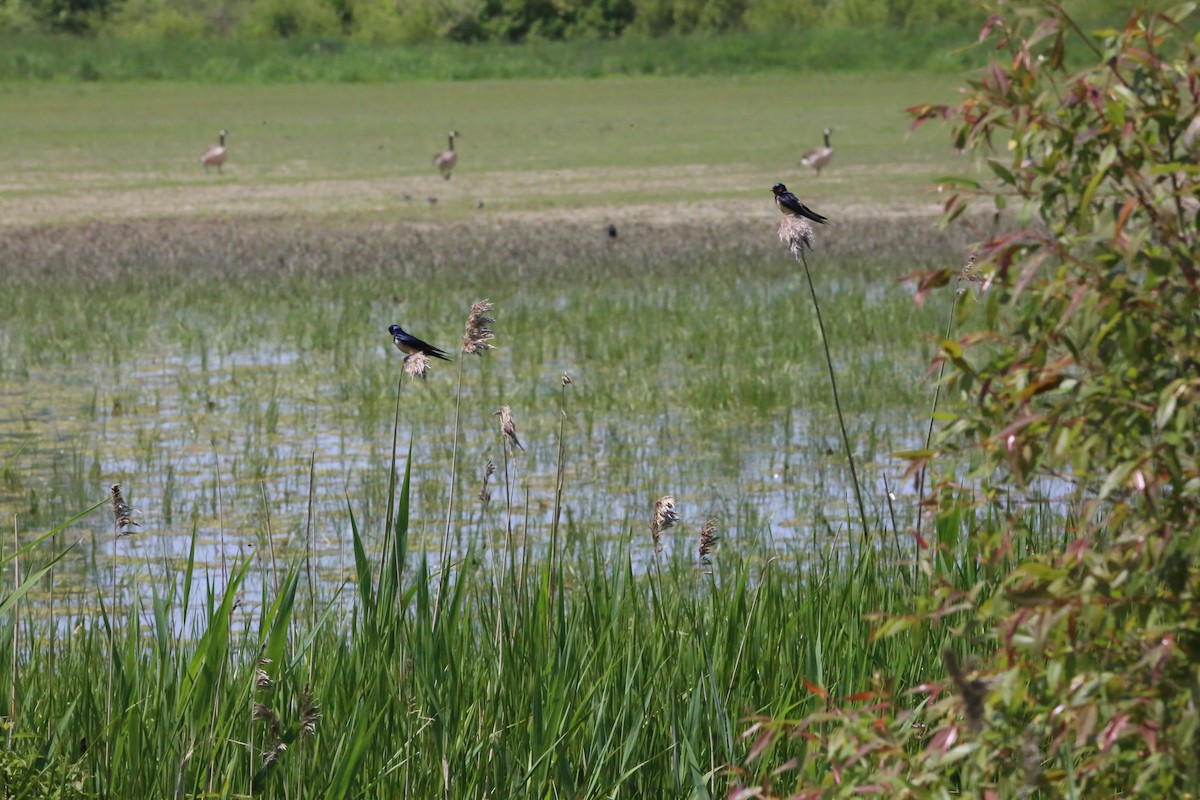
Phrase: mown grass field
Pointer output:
(673, 145)
(217, 345)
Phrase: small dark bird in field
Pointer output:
(612, 230)
(407, 344)
(790, 205)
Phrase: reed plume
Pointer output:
(122, 513)
(797, 234)
(508, 427)
(478, 336)
(485, 493)
(416, 365)
(277, 745)
(708, 541)
(310, 712)
(665, 517)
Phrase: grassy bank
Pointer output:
(929, 49)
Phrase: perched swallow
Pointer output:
(790, 205)
(407, 343)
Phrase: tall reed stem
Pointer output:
(390, 519)
(559, 473)
(453, 467)
(862, 509)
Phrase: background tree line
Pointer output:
(413, 21)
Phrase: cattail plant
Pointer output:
(797, 234)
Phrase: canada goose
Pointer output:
(215, 156)
(446, 159)
(821, 156)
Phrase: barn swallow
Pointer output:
(790, 205)
(407, 343)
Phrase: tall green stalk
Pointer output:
(862, 509)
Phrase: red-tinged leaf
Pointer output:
(837, 773)
(1112, 731)
(786, 766)
(953, 609)
(931, 689)
(1123, 217)
(930, 281)
(1045, 28)
(1000, 80)
(817, 690)
(943, 740)
(1149, 731)
(992, 22)
(861, 696)
(1076, 298)
(760, 744)
(925, 112)
(921, 541)
(870, 788)
(1018, 425)
(746, 734)
(1086, 725)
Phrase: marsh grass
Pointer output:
(583, 692)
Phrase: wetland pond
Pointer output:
(243, 389)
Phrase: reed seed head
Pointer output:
(479, 336)
(508, 427)
(708, 541)
(262, 681)
(485, 494)
(416, 365)
(310, 712)
(566, 379)
(797, 234)
(665, 516)
(122, 513)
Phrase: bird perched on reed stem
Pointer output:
(819, 157)
(446, 160)
(790, 205)
(408, 344)
(215, 156)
